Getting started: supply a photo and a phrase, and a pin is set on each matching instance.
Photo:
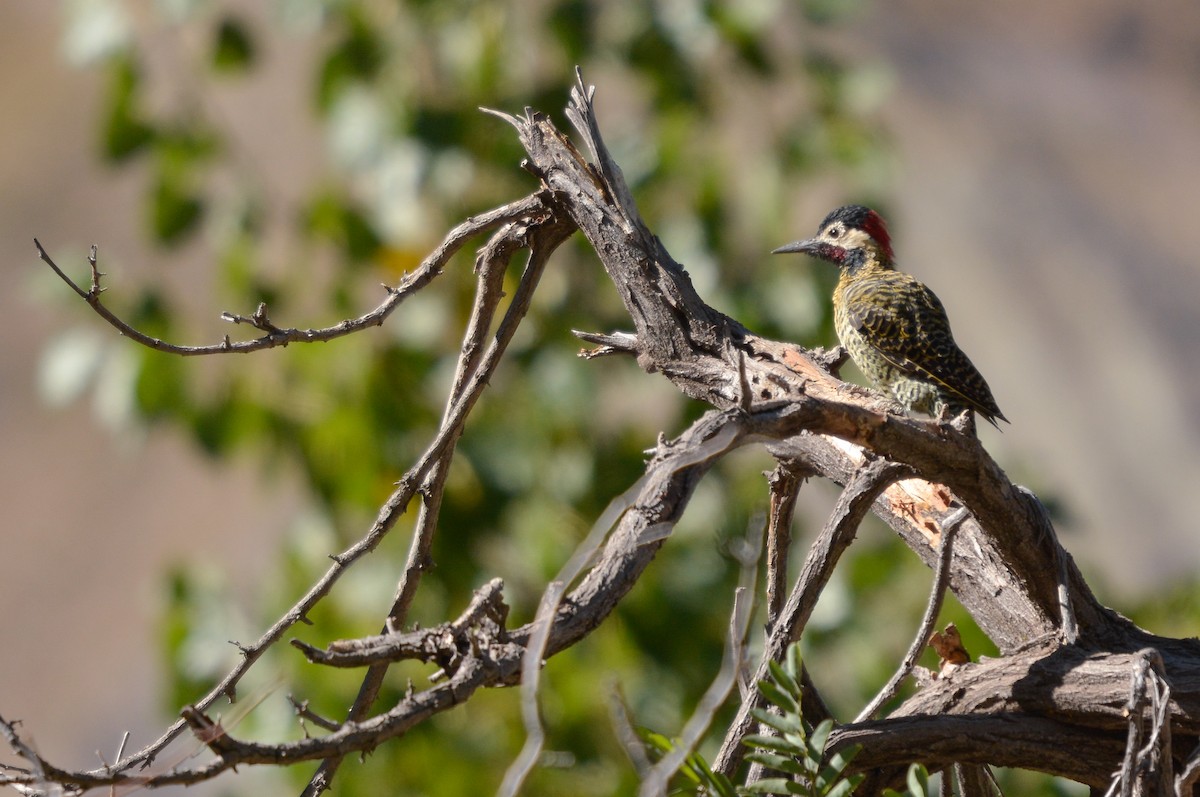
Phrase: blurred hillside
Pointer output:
(1045, 180)
(1047, 189)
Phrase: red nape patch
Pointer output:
(874, 226)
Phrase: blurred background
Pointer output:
(1037, 163)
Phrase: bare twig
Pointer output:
(656, 781)
(386, 519)
(491, 265)
(607, 345)
(784, 483)
(937, 593)
(1186, 781)
(553, 596)
(631, 743)
(671, 477)
(305, 713)
(834, 539)
(974, 780)
(1063, 567)
(37, 766)
(429, 268)
(441, 643)
(1146, 767)
(531, 667)
(121, 746)
(543, 623)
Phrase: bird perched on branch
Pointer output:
(894, 327)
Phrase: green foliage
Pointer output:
(696, 772)
(233, 49)
(797, 750)
(124, 129)
(917, 782)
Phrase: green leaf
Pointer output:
(764, 742)
(829, 774)
(234, 49)
(918, 780)
(794, 662)
(819, 736)
(655, 741)
(785, 679)
(779, 763)
(845, 786)
(722, 785)
(776, 786)
(784, 723)
(174, 212)
(842, 759)
(778, 697)
(124, 131)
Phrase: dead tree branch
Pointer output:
(823, 556)
(921, 641)
(429, 268)
(1057, 701)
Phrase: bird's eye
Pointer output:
(834, 232)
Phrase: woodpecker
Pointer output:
(894, 327)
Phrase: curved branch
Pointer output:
(889, 746)
(823, 556)
(471, 376)
(552, 231)
(429, 268)
(937, 594)
(491, 657)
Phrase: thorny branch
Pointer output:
(429, 268)
(1051, 702)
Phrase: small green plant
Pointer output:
(695, 770)
(798, 751)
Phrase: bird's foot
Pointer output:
(964, 422)
(831, 360)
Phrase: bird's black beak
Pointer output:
(809, 246)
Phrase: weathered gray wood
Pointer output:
(1009, 570)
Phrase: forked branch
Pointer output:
(1007, 567)
(429, 268)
